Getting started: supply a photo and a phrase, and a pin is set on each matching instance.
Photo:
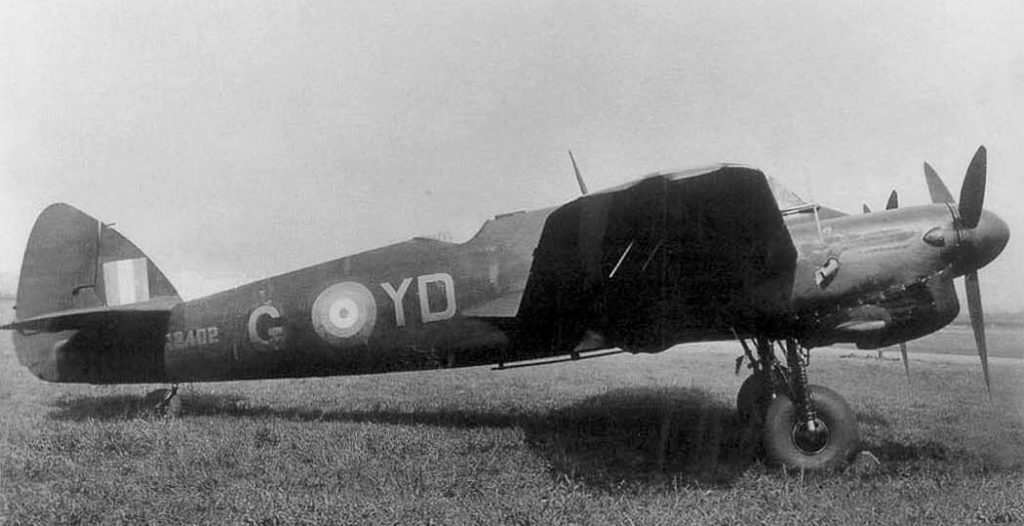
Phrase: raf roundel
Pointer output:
(344, 311)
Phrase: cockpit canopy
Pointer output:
(795, 208)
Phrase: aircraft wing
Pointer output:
(671, 257)
(92, 316)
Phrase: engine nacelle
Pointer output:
(890, 317)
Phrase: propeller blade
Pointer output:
(978, 323)
(906, 364)
(866, 208)
(894, 201)
(972, 193)
(937, 189)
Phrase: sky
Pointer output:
(234, 140)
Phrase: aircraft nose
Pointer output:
(989, 239)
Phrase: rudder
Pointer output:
(73, 261)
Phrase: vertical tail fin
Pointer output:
(73, 261)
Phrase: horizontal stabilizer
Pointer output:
(92, 316)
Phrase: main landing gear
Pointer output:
(803, 427)
(163, 402)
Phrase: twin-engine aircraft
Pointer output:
(717, 253)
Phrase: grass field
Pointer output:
(1004, 340)
(619, 440)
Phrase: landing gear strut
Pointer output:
(759, 388)
(805, 427)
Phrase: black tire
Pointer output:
(787, 443)
(754, 396)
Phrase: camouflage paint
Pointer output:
(670, 258)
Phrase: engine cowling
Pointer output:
(887, 318)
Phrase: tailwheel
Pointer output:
(825, 441)
(164, 402)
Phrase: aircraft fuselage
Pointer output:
(673, 258)
(415, 310)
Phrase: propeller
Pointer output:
(978, 323)
(972, 193)
(894, 201)
(892, 204)
(976, 246)
(937, 189)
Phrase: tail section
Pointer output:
(74, 263)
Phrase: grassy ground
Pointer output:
(1004, 340)
(620, 440)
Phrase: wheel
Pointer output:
(754, 396)
(787, 440)
(156, 401)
